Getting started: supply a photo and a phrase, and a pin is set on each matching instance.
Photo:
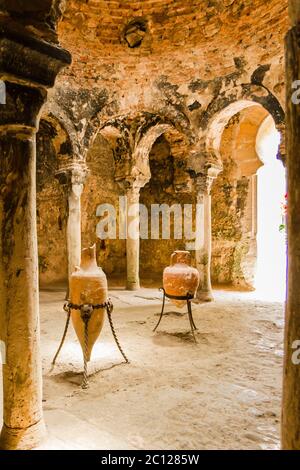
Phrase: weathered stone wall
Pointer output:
(181, 62)
(187, 58)
(234, 254)
(51, 225)
(51, 210)
(234, 199)
(234, 231)
(155, 254)
(101, 188)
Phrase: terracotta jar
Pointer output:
(180, 278)
(88, 285)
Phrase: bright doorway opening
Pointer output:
(270, 280)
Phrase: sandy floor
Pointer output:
(223, 393)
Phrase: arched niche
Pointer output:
(233, 135)
(121, 153)
(169, 184)
(231, 103)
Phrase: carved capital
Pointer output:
(203, 184)
(28, 66)
(22, 107)
(27, 59)
(72, 175)
(200, 160)
(132, 183)
(203, 181)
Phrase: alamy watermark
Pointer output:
(296, 354)
(2, 92)
(296, 94)
(183, 222)
(2, 352)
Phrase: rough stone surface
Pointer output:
(232, 377)
(233, 223)
(28, 66)
(51, 209)
(123, 83)
(161, 95)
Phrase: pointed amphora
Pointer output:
(181, 278)
(88, 285)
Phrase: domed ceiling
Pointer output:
(210, 36)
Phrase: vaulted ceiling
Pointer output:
(207, 35)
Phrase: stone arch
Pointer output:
(231, 137)
(56, 150)
(64, 128)
(131, 140)
(223, 108)
(62, 143)
(141, 153)
(119, 139)
(218, 123)
(247, 92)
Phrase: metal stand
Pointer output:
(86, 312)
(188, 298)
(68, 310)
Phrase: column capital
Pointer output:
(203, 184)
(203, 181)
(201, 160)
(41, 15)
(73, 174)
(135, 185)
(28, 67)
(21, 110)
(27, 59)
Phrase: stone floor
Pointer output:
(223, 393)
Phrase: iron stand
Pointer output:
(86, 311)
(188, 298)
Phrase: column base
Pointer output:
(133, 286)
(204, 296)
(23, 439)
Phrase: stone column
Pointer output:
(73, 178)
(133, 237)
(131, 189)
(32, 67)
(291, 383)
(23, 420)
(204, 237)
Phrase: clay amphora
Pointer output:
(88, 285)
(180, 278)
